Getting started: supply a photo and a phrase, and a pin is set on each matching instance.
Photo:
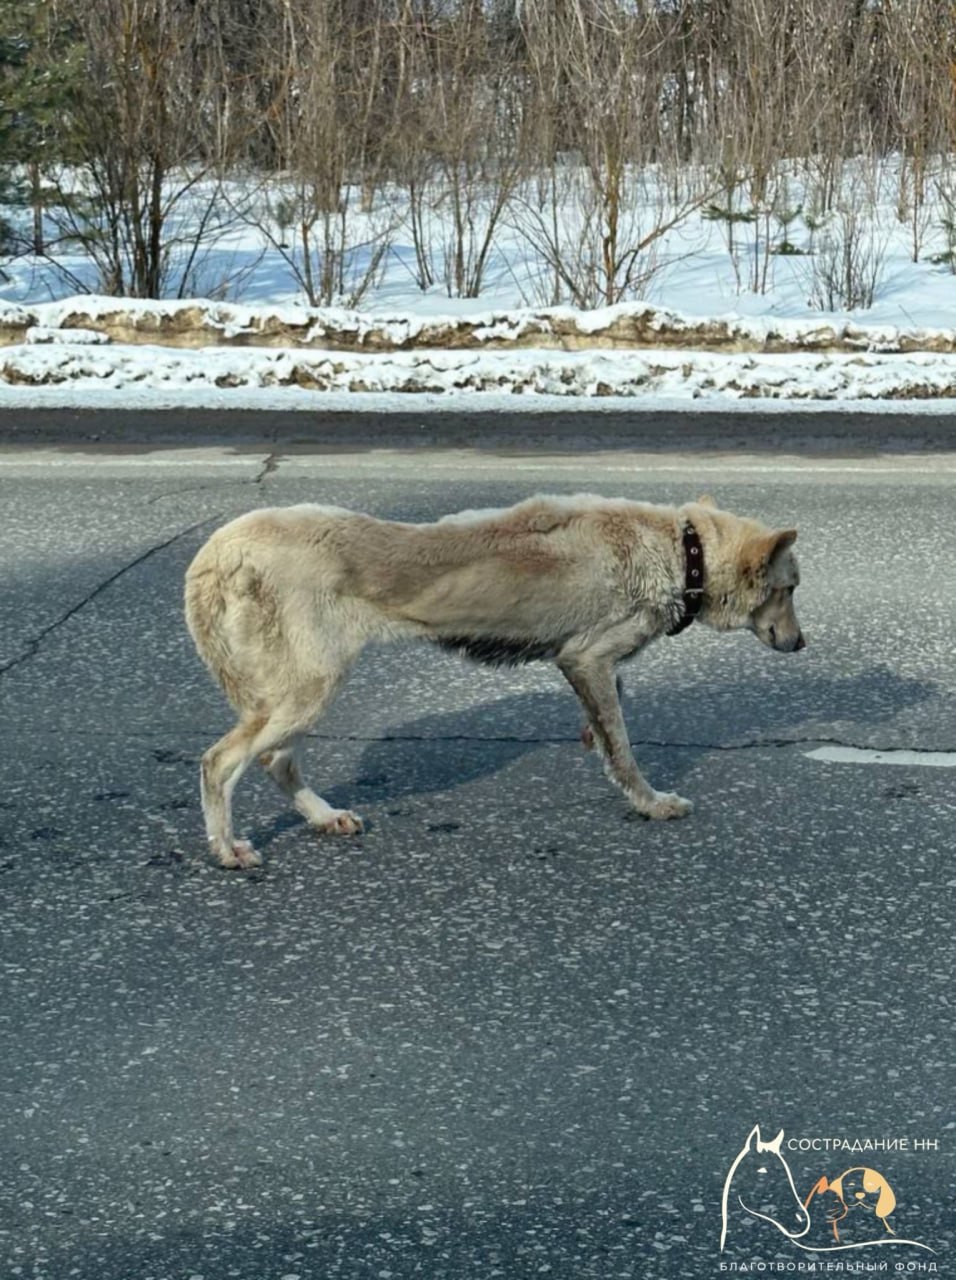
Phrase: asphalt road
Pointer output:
(512, 1030)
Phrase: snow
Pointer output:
(695, 338)
(56, 367)
(215, 376)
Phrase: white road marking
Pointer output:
(23, 459)
(866, 755)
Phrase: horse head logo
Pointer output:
(759, 1183)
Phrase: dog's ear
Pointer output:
(761, 548)
(873, 1181)
(705, 500)
(772, 543)
(782, 538)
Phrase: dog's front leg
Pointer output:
(593, 680)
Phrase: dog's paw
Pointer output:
(341, 822)
(240, 854)
(666, 804)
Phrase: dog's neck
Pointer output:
(693, 597)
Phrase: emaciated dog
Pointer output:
(281, 601)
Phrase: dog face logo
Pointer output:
(850, 1211)
(860, 1201)
(866, 1189)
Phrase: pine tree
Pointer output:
(40, 61)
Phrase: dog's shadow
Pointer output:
(440, 751)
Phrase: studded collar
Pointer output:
(693, 597)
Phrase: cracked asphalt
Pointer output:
(512, 1030)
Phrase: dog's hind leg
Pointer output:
(222, 767)
(267, 734)
(593, 680)
(282, 766)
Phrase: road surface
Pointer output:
(513, 1030)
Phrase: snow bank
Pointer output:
(631, 326)
(687, 375)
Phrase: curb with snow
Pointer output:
(631, 351)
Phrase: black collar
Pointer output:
(693, 597)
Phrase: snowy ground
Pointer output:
(119, 375)
(697, 335)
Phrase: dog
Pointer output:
(867, 1198)
(281, 601)
(854, 1202)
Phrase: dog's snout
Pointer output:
(801, 642)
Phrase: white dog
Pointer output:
(280, 602)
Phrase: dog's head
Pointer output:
(751, 574)
(865, 1188)
(774, 620)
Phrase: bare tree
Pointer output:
(920, 39)
(142, 122)
(603, 95)
(593, 126)
(329, 126)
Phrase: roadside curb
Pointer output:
(93, 320)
